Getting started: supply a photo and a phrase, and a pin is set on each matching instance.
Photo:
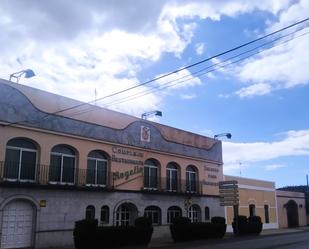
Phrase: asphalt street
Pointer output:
(283, 241)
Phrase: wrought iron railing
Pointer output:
(68, 176)
(54, 175)
(164, 184)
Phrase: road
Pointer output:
(299, 240)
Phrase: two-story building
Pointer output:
(62, 160)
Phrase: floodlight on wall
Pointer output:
(227, 134)
(156, 113)
(28, 73)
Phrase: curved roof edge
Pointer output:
(53, 103)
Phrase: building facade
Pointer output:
(256, 197)
(291, 209)
(60, 164)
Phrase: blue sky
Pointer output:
(75, 47)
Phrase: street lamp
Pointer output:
(227, 134)
(28, 73)
(156, 113)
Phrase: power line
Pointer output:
(175, 71)
(197, 73)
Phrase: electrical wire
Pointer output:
(173, 72)
(198, 73)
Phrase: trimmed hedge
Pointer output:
(248, 226)
(87, 235)
(182, 230)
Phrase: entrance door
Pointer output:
(17, 225)
(292, 214)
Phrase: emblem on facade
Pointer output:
(145, 134)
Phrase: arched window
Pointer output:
(194, 213)
(20, 160)
(90, 212)
(150, 174)
(173, 212)
(96, 168)
(251, 210)
(207, 213)
(172, 177)
(126, 214)
(266, 211)
(62, 165)
(191, 179)
(154, 214)
(104, 215)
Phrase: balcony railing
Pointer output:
(54, 175)
(67, 176)
(164, 184)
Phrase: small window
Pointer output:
(266, 210)
(90, 212)
(207, 213)
(105, 215)
(251, 210)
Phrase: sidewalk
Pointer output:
(167, 241)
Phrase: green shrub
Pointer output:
(184, 230)
(247, 226)
(84, 234)
(218, 220)
(253, 219)
(181, 221)
(90, 236)
(143, 222)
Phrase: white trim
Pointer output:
(246, 206)
(241, 186)
(270, 225)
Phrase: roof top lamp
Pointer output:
(227, 134)
(28, 73)
(156, 113)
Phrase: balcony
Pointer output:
(46, 175)
(30, 174)
(181, 186)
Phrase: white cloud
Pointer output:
(77, 46)
(181, 79)
(284, 66)
(295, 143)
(199, 48)
(188, 96)
(272, 167)
(256, 89)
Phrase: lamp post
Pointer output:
(226, 134)
(156, 113)
(27, 73)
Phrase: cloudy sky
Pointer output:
(258, 93)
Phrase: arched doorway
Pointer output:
(17, 225)
(126, 214)
(292, 214)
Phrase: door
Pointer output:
(292, 214)
(17, 225)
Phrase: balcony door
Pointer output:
(20, 160)
(96, 168)
(171, 177)
(62, 165)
